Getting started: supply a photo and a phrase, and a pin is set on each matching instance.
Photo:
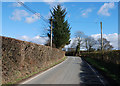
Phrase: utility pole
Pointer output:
(51, 34)
(101, 37)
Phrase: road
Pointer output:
(72, 71)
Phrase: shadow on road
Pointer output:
(89, 76)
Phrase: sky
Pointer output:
(20, 23)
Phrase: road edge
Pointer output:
(106, 83)
(45, 71)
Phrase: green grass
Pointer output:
(109, 69)
(39, 70)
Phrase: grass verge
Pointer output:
(17, 81)
(109, 70)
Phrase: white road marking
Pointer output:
(59, 65)
(44, 72)
(96, 74)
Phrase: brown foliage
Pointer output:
(20, 58)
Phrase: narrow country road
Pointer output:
(72, 71)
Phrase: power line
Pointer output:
(33, 11)
(84, 22)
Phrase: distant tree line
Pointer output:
(88, 43)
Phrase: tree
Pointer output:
(73, 43)
(79, 39)
(77, 52)
(106, 44)
(48, 43)
(61, 28)
(90, 43)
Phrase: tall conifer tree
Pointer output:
(60, 27)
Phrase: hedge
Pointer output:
(108, 62)
(21, 58)
(107, 56)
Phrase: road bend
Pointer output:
(73, 70)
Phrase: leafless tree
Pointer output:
(90, 43)
(79, 39)
(106, 44)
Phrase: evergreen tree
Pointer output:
(60, 27)
(77, 52)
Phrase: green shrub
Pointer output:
(107, 56)
(108, 62)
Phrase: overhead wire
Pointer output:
(40, 16)
(84, 22)
(44, 19)
(33, 11)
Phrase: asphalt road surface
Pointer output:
(72, 71)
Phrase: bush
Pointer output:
(70, 53)
(21, 58)
(107, 56)
(108, 62)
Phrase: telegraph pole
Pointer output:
(101, 37)
(51, 34)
